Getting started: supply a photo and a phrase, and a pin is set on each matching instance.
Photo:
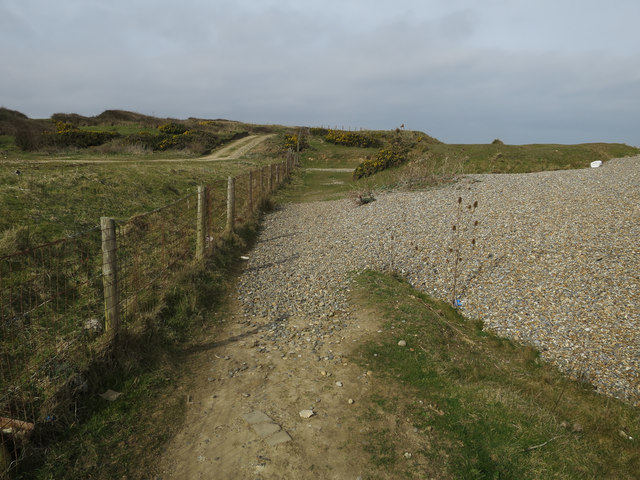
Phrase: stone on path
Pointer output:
(266, 428)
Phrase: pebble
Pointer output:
(554, 264)
(402, 343)
(306, 413)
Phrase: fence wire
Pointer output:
(150, 247)
(50, 305)
(54, 311)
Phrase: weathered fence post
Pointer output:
(250, 192)
(201, 226)
(110, 276)
(231, 204)
(271, 175)
(277, 175)
(259, 185)
(210, 218)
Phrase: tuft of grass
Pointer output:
(486, 406)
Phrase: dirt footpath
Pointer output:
(236, 149)
(248, 399)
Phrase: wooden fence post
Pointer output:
(271, 175)
(201, 226)
(210, 219)
(231, 204)
(260, 187)
(110, 276)
(250, 192)
(277, 175)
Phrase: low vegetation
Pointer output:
(61, 193)
(411, 160)
(124, 438)
(484, 407)
(117, 131)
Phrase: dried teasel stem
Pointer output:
(459, 229)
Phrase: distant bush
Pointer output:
(497, 141)
(67, 135)
(291, 142)
(387, 157)
(318, 132)
(28, 133)
(198, 142)
(28, 137)
(118, 117)
(74, 119)
(173, 128)
(352, 139)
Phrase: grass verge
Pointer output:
(484, 407)
(124, 438)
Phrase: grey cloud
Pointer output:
(273, 62)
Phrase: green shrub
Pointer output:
(352, 139)
(173, 128)
(387, 157)
(67, 135)
(318, 131)
(28, 138)
(291, 142)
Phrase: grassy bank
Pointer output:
(125, 437)
(484, 407)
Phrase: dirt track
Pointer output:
(242, 372)
(232, 151)
(236, 149)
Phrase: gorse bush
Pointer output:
(390, 156)
(295, 141)
(173, 128)
(68, 135)
(352, 139)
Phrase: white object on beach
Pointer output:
(596, 164)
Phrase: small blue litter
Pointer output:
(457, 303)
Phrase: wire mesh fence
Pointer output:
(149, 248)
(50, 300)
(64, 302)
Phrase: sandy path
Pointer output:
(241, 372)
(237, 148)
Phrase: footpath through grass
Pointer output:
(485, 407)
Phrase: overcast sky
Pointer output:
(463, 71)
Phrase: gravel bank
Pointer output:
(556, 263)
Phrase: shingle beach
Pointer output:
(556, 262)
